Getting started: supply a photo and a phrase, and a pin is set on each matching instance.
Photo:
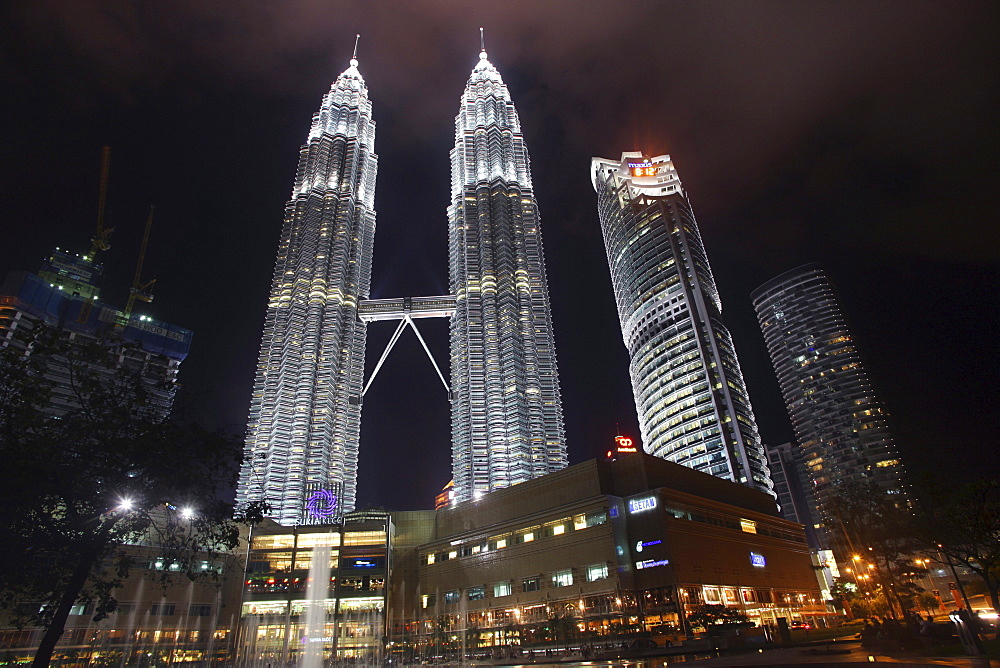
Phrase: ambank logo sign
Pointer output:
(639, 505)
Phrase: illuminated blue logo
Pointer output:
(322, 504)
(646, 543)
(638, 505)
(650, 563)
(758, 560)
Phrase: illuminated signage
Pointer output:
(748, 525)
(644, 168)
(322, 504)
(364, 563)
(625, 444)
(639, 505)
(646, 543)
(651, 563)
(758, 560)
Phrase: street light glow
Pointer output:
(187, 513)
(125, 504)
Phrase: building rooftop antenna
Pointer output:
(482, 41)
(357, 38)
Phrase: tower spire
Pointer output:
(482, 41)
(354, 58)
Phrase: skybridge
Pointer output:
(405, 310)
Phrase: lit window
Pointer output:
(501, 589)
(562, 578)
(451, 596)
(558, 529)
(597, 572)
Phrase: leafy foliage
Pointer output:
(88, 480)
(964, 524)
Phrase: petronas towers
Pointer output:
(301, 451)
(305, 414)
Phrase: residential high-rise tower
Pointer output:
(507, 423)
(690, 397)
(302, 440)
(841, 427)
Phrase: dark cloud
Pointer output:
(861, 135)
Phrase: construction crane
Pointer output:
(142, 292)
(101, 239)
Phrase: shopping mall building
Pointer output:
(599, 550)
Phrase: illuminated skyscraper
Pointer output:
(840, 426)
(507, 423)
(690, 396)
(302, 440)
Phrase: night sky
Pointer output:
(860, 135)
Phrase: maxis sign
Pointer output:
(639, 505)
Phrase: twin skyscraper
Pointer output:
(506, 408)
(305, 416)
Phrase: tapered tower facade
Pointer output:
(302, 440)
(841, 427)
(507, 422)
(690, 397)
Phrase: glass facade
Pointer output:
(841, 427)
(507, 423)
(690, 397)
(304, 421)
(349, 566)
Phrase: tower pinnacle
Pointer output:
(482, 45)
(354, 58)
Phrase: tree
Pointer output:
(85, 484)
(964, 524)
(875, 527)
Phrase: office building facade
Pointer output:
(507, 422)
(840, 425)
(304, 425)
(690, 396)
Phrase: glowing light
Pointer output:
(187, 513)
(322, 504)
(125, 504)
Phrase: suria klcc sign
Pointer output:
(639, 505)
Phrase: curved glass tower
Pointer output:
(507, 423)
(841, 427)
(690, 397)
(302, 440)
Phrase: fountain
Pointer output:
(317, 593)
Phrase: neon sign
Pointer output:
(322, 504)
(644, 168)
(639, 505)
(646, 543)
(758, 560)
(651, 563)
(625, 444)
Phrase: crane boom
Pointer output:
(101, 239)
(137, 291)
